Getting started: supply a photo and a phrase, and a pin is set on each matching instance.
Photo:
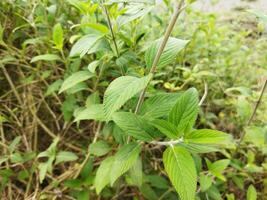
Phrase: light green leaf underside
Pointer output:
(121, 90)
(65, 156)
(181, 170)
(173, 47)
(99, 148)
(133, 12)
(74, 79)
(46, 57)
(84, 44)
(92, 112)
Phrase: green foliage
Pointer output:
(83, 116)
(74, 79)
(173, 47)
(181, 170)
(121, 90)
(58, 38)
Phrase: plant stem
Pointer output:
(111, 30)
(166, 37)
(88, 153)
(204, 95)
(169, 143)
(254, 111)
(112, 35)
(258, 102)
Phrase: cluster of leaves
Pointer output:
(95, 59)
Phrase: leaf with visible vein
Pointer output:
(181, 170)
(124, 159)
(173, 47)
(135, 126)
(121, 90)
(185, 111)
(74, 79)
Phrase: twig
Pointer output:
(258, 103)
(88, 153)
(204, 95)
(111, 31)
(12, 85)
(169, 143)
(168, 32)
(113, 35)
(7, 164)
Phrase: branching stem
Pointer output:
(166, 37)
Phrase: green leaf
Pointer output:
(65, 156)
(74, 79)
(256, 135)
(181, 170)
(103, 174)
(251, 193)
(157, 181)
(185, 111)
(133, 12)
(84, 44)
(92, 112)
(208, 136)
(199, 148)
(99, 148)
(218, 167)
(124, 159)
(54, 87)
(151, 108)
(136, 172)
(148, 192)
(243, 108)
(16, 158)
(134, 125)
(173, 47)
(99, 27)
(14, 144)
(46, 57)
(121, 90)
(166, 128)
(93, 65)
(43, 167)
(214, 193)
(58, 36)
(205, 182)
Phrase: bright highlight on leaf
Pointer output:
(58, 36)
